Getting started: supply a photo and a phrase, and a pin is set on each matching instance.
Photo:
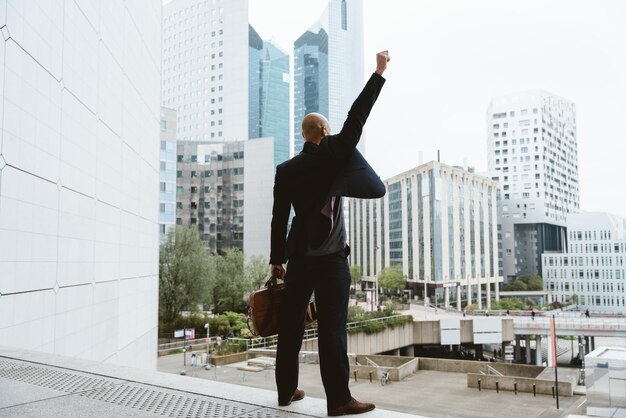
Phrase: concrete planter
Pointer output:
(228, 358)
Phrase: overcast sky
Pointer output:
(449, 58)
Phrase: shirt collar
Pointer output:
(310, 148)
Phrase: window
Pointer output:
(179, 158)
(179, 174)
(162, 187)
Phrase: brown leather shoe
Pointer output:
(297, 395)
(352, 407)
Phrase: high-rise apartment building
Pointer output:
(592, 273)
(328, 66)
(532, 149)
(205, 68)
(79, 168)
(218, 187)
(438, 224)
(167, 170)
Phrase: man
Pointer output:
(314, 181)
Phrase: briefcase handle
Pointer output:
(272, 281)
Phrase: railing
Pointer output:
(371, 362)
(493, 371)
(564, 324)
(353, 325)
(181, 344)
(309, 334)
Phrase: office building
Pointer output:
(224, 81)
(438, 224)
(225, 191)
(167, 170)
(269, 95)
(532, 148)
(328, 66)
(79, 168)
(591, 273)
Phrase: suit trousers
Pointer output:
(329, 277)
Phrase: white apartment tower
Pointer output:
(205, 68)
(532, 149)
(594, 266)
(438, 224)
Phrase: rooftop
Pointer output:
(34, 384)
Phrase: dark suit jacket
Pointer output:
(308, 180)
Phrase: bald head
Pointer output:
(315, 127)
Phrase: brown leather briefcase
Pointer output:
(264, 308)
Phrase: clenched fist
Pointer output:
(382, 58)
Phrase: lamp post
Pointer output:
(208, 339)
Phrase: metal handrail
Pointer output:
(494, 371)
(309, 334)
(371, 362)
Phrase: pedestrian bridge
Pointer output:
(571, 326)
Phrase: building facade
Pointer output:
(205, 68)
(328, 66)
(211, 189)
(268, 106)
(79, 165)
(167, 169)
(225, 82)
(591, 273)
(533, 151)
(438, 224)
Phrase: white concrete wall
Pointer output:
(258, 197)
(79, 170)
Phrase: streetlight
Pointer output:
(207, 343)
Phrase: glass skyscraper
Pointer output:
(328, 66)
(268, 96)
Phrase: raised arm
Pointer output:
(342, 144)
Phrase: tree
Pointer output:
(356, 274)
(230, 284)
(573, 299)
(184, 272)
(517, 285)
(391, 279)
(256, 271)
(535, 283)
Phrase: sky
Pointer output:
(449, 58)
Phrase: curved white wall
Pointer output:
(79, 176)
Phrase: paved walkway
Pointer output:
(426, 393)
(43, 385)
